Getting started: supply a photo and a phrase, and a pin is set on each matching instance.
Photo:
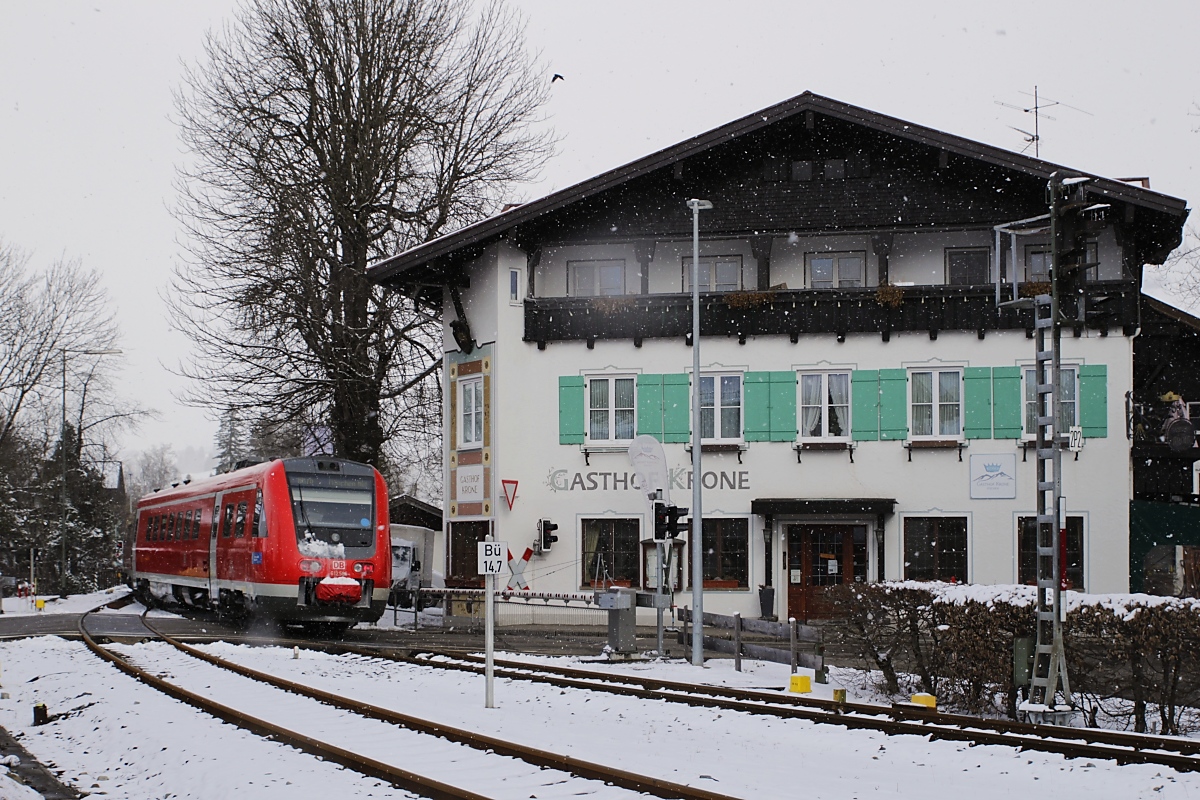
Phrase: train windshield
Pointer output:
(333, 509)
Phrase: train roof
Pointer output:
(209, 484)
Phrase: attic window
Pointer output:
(802, 170)
(835, 169)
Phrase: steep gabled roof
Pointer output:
(391, 269)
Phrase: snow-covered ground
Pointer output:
(116, 738)
(75, 604)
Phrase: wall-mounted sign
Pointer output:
(562, 480)
(994, 477)
(469, 484)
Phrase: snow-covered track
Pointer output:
(578, 776)
(1124, 748)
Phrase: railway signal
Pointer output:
(546, 537)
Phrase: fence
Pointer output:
(463, 608)
(792, 632)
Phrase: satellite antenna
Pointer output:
(1039, 103)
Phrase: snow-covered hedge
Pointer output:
(1126, 652)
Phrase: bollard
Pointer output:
(800, 684)
(792, 631)
(296, 652)
(40, 715)
(737, 641)
(839, 696)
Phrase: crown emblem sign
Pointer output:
(992, 467)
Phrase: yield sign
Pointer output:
(517, 579)
(510, 492)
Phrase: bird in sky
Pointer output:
(557, 77)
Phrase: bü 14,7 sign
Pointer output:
(493, 556)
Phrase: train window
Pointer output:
(239, 527)
(177, 525)
(149, 528)
(196, 523)
(187, 524)
(227, 525)
(260, 525)
(158, 527)
(170, 532)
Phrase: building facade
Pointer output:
(866, 383)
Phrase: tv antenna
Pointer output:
(1039, 103)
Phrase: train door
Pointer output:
(213, 562)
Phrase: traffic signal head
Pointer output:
(675, 525)
(662, 520)
(546, 536)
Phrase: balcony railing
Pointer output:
(1108, 305)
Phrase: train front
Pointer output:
(337, 543)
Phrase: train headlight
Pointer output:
(358, 567)
(310, 565)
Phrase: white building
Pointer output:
(851, 432)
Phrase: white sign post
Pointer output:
(493, 560)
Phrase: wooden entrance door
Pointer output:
(821, 557)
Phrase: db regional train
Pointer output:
(301, 540)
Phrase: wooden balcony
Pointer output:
(1107, 306)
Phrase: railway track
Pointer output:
(532, 759)
(1124, 748)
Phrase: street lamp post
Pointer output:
(62, 450)
(697, 516)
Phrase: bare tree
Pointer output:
(156, 468)
(326, 134)
(48, 321)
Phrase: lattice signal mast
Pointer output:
(1073, 223)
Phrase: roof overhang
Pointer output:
(787, 506)
(453, 248)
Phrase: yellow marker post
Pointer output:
(800, 684)
(839, 695)
(41, 604)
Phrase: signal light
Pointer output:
(662, 521)
(546, 536)
(675, 526)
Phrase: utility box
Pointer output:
(621, 605)
(1023, 647)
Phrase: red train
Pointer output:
(302, 540)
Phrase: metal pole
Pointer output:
(62, 510)
(489, 639)
(661, 548)
(697, 507)
(737, 641)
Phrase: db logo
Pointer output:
(337, 565)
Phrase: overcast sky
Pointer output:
(88, 149)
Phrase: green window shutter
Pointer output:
(783, 407)
(1008, 408)
(977, 397)
(864, 401)
(677, 409)
(570, 409)
(756, 398)
(650, 406)
(1093, 400)
(893, 404)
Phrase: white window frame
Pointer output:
(514, 291)
(1042, 250)
(475, 385)
(710, 262)
(987, 251)
(824, 435)
(935, 435)
(611, 410)
(573, 269)
(836, 255)
(1063, 432)
(716, 378)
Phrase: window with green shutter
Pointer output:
(864, 401)
(677, 408)
(1006, 403)
(977, 402)
(893, 404)
(570, 409)
(1093, 400)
